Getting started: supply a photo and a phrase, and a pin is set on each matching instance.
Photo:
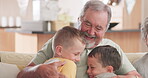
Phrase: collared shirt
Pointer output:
(46, 52)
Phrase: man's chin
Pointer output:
(90, 45)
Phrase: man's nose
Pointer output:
(91, 31)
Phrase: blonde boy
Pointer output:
(68, 44)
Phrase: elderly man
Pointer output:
(141, 64)
(94, 21)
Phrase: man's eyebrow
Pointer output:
(99, 26)
(87, 21)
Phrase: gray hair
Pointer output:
(144, 28)
(96, 5)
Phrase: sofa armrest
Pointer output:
(16, 58)
(134, 56)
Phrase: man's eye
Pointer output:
(88, 24)
(98, 28)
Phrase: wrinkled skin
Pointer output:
(42, 71)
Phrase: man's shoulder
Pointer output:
(57, 59)
(107, 42)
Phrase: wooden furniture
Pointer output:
(29, 41)
(7, 40)
(32, 42)
(125, 19)
(128, 40)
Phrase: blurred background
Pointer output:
(25, 25)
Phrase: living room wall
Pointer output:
(11, 8)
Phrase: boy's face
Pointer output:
(94, 67)
(73, 52)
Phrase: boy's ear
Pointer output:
(58, 50)
(110, 69)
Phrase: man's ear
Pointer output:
(79, 23)
(110, 69)
(58, 50)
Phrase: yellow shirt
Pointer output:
(68, 69)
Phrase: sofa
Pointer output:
(16, 58)
(11, 60)
(25, 58)
(11, 63)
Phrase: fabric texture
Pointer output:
(105, 75)
(16, 58)
(134, 56)
(68, 69)
(8, 70)
(142, 66)
(46, 52)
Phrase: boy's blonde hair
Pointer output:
(66, 36)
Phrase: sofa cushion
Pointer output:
(134, 56)
(8, 70)
(16, 58)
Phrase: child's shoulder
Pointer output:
(52, 60)
(68, 62)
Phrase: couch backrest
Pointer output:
(24, 58)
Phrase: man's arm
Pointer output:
(44, 54)
(132, 74)
(135, 73)
(41, 71)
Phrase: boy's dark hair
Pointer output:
(107, 56)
